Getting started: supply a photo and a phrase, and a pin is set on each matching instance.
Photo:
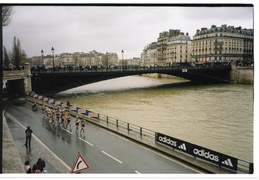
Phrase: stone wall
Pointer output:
(242, 75)
(20, 74)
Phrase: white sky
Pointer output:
(103, 28)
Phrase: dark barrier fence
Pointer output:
(196, 151)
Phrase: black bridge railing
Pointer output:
(126, 68)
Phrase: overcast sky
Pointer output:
(111, 29)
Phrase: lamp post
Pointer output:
(42, 53)
(53, 50)
(107, 61)
(122, 59)
(154, 60)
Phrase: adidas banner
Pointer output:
(198, 151)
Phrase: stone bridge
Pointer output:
(49, 82)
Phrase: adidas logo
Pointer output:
(183, 147)
(227, 162)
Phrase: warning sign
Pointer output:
(80, 164)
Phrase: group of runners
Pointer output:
(61, 116)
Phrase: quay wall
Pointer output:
(242, 75)
(238, 75)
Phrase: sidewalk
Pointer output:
(10, 153)
(15, 152)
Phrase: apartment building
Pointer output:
(179, 49)
(149, 55)
(162, 45)
(223, 44)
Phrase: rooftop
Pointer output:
(225, 28)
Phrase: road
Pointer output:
(104, 152)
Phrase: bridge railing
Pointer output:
(126, 68)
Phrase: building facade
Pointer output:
(149, 55)
(179, 49)
(162, 43)
(223, 44)
(93, 58)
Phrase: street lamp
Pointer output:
(122, 58)
(42, 53)
(52, 50)
(107, 60)
(154, 60)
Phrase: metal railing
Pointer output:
(130, 69)
(245, 166)
(127, 126)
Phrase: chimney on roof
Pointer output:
(224, 26)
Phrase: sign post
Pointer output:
(80, 164)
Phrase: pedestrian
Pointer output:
(35, 169)
(27, 167)
(28, 133)
(40, 164)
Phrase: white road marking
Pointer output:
(66, 130)
(111, 156)
(86, 141)
(137, 172)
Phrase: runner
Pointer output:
(77, 123)
(63, 117)
(58, 114)
(82, 127)
(43, 110)
(68, 121)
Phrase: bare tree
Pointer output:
(17, 54)
(7, 12)
(6, 58)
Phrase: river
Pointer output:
(218, 117)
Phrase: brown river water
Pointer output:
(218, 117)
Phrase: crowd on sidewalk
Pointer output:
(38, 167)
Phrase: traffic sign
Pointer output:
(80, 164)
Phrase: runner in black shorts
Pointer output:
(77, 123)
(82, 127)
(69, 123)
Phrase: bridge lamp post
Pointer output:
(107, 60)
(122, 58)
(42, 53)
(53, 50)
(154, 60)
